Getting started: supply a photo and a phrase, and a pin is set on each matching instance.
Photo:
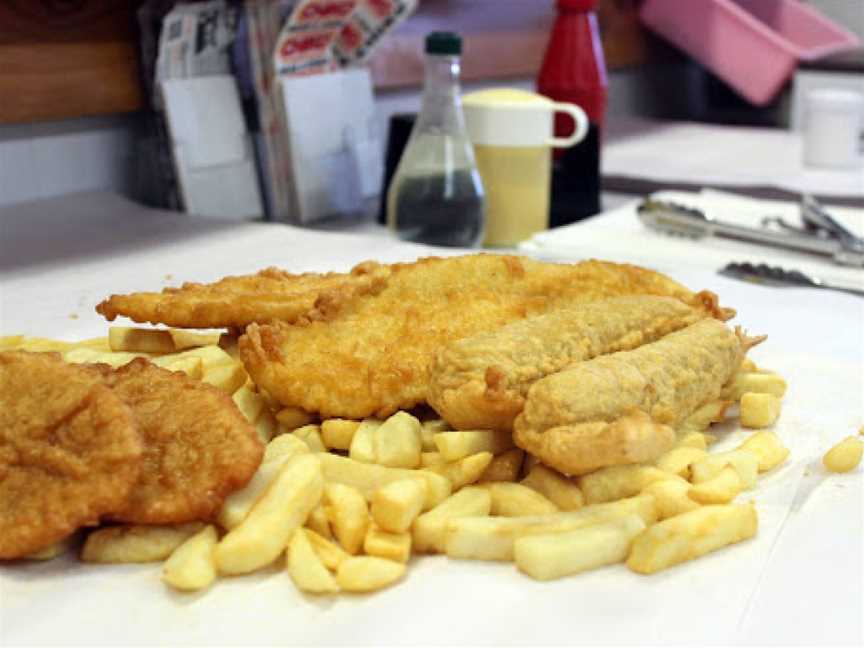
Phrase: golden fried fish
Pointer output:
(622, 408)
(371, 355)
(272, 294)
(69, 450)
(480, 382)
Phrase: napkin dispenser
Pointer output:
(212, 151)
(335, 157)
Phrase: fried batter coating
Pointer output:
(372, 356)
(272, 294)
(480, 382)
(623, 408)
(69, 450)
(198, 447)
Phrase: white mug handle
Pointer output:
(578, 133)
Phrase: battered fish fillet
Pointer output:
(372, 356)
(623, 408)
(69, 451)
(198, 447)
(480, 382)
(272, 294)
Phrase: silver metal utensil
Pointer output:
(819, 234)
(776, 276)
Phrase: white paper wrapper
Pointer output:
(798, 581)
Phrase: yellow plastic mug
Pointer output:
(512, 131)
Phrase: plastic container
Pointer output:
(512, 132)
(753, 45)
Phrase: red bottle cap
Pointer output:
(577, 5)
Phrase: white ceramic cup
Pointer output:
(832, 129)
(513, 132)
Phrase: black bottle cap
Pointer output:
(446, 43)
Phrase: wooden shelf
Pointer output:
(505, 38)
(70, 58)
(61, 59)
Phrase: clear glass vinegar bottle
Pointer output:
(436, 196)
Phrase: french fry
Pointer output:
(284, 445)
(266, 426)
(755, 382)
(338, 433)
(504, 467)
(529, 462)
(54, 550)
(319, 522)
(292, 418)
(492, 538)
(558, 489)
(745, 464)
(396, 505)
(428, 430)
(845, 456)
(135, 543)
(677, 460)
(428, 528)
(367, 574)
(37, 344)
(617, 482)
(465, 471)
(183, 339)
(397, 441)
(311, 436)
(228, 377)
(383, 544)
(192, 367)
(276, 453)
(10, 342)
(759, 410)
(83, 355)
(671, 496)
(515, 500)
(330, 553)
(431, 459)
(190, 567)
(747, 365)
(367, 478)
(348, 515)
(769, 450)
(306, 568)
(280, 511)
(138, 340)
(720, 489)
(546, 557)
(249, 402)
(702, 418)
(692, 439)
(211, 356)
(363, 442)
(458, 445)
(690, 535)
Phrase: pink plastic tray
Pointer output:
(753, 45)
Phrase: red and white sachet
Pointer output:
(367, 25)
(305, 45)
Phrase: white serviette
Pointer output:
(619, 235)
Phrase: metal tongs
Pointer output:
(819, 233)
(775, 276)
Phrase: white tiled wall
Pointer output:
(42, 160)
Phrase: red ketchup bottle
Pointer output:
(574, 70)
